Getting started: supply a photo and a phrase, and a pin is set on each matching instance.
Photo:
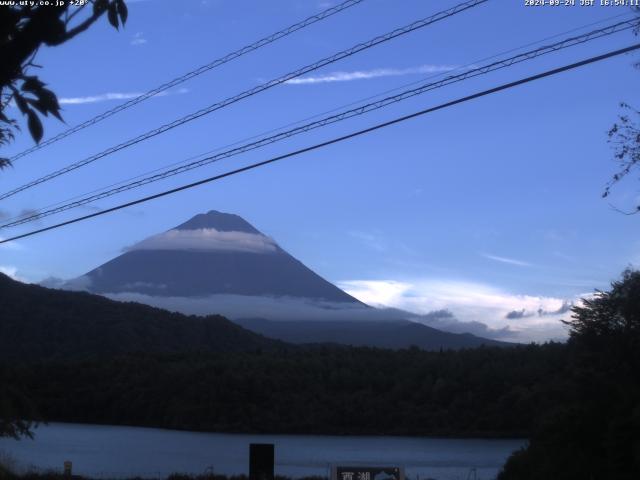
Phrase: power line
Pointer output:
(482, 70)
(317, 146)
(253, 91)
(194, 73)
(335, 109)
(298, 122)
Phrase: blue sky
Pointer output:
(483, 208)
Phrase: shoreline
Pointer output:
(484, 436)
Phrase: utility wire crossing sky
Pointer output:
(336, 140)
(590, 36)
(194, 73)
(418, 24)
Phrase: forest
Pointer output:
(45, 324)
(330, 390)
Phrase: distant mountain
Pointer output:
(211, 254)
(38, 323)
(218, 263)
(390, 334)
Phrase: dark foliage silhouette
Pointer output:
(490, 392)
(593, 430)
(624, 137)
(44, 324)
(40, 324)
(17, 412)
(23, 30)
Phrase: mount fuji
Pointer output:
(218, 263)
(212, 254)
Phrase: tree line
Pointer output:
(326, 390)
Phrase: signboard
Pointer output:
(364, 472)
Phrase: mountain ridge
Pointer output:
(392, 334)
(39, 323)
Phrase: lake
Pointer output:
(118, 452)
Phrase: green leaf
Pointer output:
(112, 14)
(35, 126)
(123, 11)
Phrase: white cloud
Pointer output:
(247, 306)
(469, 302)
(445, 320)
(369, 74)
(138, 39)
(305, 309)
(10, 271)
(376, 293)
(82, 283)
(147, 285)
(104, 97)
(208, 239)
(510, 261)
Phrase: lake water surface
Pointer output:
(118, 452)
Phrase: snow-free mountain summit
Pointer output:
(212, 254)
(218, 263)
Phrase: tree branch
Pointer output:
(79, 28)
(632, 212)
(78, 10)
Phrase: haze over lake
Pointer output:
(110, 451)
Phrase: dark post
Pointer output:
(261, 460)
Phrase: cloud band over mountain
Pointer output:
(208, 240)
